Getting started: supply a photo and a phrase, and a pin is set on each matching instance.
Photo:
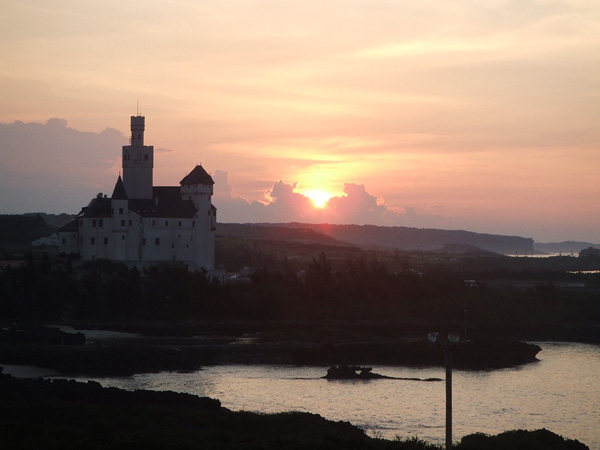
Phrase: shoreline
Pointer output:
(68, 414)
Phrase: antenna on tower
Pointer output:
(138, 107)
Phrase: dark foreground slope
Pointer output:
(70, 415)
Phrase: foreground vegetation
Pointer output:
(69, 415)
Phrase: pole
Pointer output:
(448, 353)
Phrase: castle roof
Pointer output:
(197, 176)
(119, 193)
(71, 226)
(166, 202)
(98, 207)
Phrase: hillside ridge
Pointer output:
(402, 238)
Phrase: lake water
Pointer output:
(561, 393)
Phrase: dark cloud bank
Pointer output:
(53, 168)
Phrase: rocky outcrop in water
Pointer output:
(344, 372)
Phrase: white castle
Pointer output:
(141, 224)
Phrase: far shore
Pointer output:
(153, 348)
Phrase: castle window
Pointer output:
(193, 223)
(100, 223)
(130, 222)
(156, 241)
(112, 211)
(93, 241)
(180, 223)
(123, 237)
(143, 241)
(94, 223)
(172, 245)
(120, 210)
(145, 157)
(64, 241)
(122, 223)
(105, 241)
(166, 223)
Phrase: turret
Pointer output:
(197, 186)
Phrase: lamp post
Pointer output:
(447, 347)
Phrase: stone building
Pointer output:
(142, 224)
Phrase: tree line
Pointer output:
(360, 289)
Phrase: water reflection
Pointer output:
(559, 393)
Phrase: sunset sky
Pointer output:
(478, 115)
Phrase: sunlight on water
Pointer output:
(560, 393)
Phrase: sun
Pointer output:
(319, 198)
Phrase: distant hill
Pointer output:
(54, 221)
(276, 233)
(22, 229)
(566, 247)
(402, 238)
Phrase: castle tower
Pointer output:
(197, 187)
(138, 162)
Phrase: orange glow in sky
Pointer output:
(319, 198)
(456, 115)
